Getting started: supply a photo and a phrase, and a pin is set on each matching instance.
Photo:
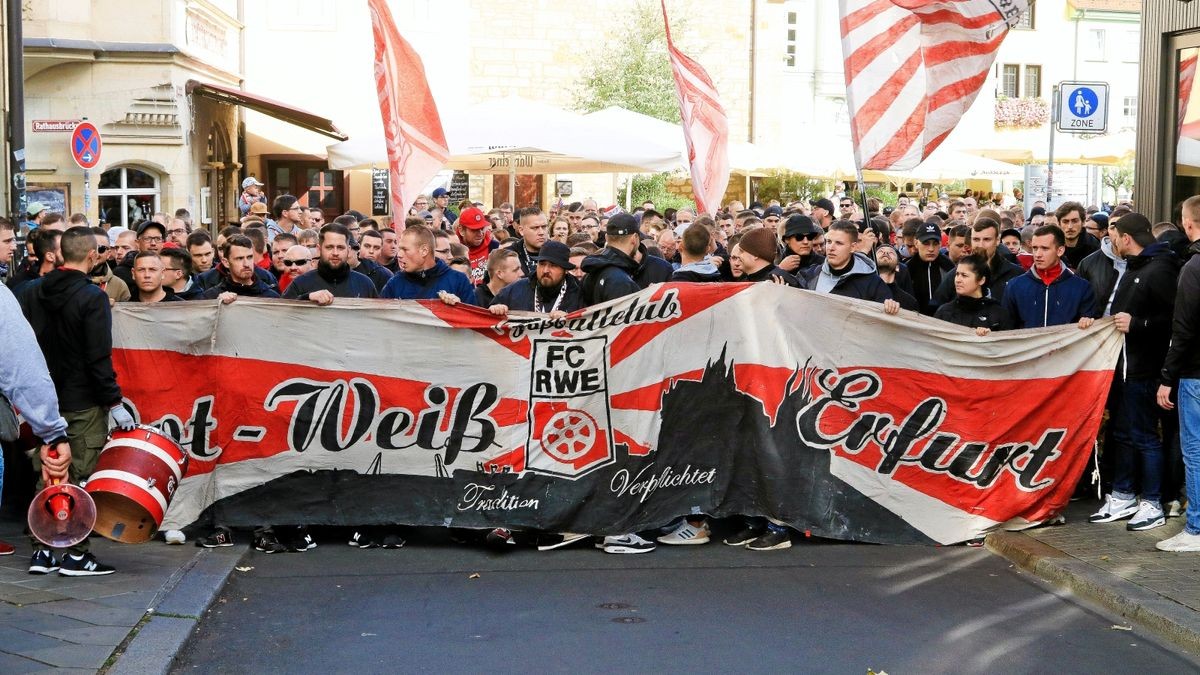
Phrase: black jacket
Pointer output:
(926, 278)
(971, 312)
(484, 295)
(906, 300)
(72, 319)
(343, 283)
(1147, 293)
(652, 270)
(1183, 358)
(860, 281)
(526, 258)
(378, 274)
(1002, 273)
(701, 272)
(1086, 245)
(609, 276)
(216, 276)
(124, 269)
(519, 295)
(769, 271)
(1099, 270)
(256, 290)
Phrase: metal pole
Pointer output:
(1050, 158)
(16, 112)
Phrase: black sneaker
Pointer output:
(744, 536)
(364, 539)
(774, 539)
(267, 542)
(222, 536)
(301, 541)
(392, 540)
(43, 562)
(85, 565)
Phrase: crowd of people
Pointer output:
(968, 261)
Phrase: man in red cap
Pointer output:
(475, 232)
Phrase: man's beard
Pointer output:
(886, 267)
(548, 283)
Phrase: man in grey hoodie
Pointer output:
(25, 382)
(845, 272)
(695, 266)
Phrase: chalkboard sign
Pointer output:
(459, 188)
(380, 192)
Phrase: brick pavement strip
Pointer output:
(1117, 569)
(62, 623)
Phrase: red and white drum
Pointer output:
(133, 482)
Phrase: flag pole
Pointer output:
(862, 191)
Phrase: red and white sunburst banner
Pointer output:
(685, 398)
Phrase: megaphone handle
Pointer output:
(53, 455)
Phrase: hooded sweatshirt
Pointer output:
(1103, 269)
(477, 258)
(24, 377)
(71, 318)
(343, 282)
(426, 284)
(858, 280)
(1147, 292)
(703, 272)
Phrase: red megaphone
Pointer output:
(62, 514)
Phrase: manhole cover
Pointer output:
(629, 619)
(614, 605)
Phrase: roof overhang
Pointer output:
(266, 106)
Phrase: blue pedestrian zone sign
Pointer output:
(1083, 107)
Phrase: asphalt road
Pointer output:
(817, 607)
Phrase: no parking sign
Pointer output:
(86, 145)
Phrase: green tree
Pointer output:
(630, 68)
(788, 186)
(1118, 178)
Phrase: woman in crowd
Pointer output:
(971, 306)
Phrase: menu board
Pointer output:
(380, 192)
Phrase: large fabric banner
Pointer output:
(722, 399)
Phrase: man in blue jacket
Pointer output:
(552, 292)
(422, 275)
(1049, 294)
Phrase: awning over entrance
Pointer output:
(266, 106)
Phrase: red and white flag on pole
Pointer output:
(913, 67)
(705, 126)
(416, 145)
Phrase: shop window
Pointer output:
(127, 195)
(789, 58)
(1187, 126)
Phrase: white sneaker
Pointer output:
(568, 538)
(1181, 542)
(628, 543)
(174, 536)
(1149, 516)
(686, 534)
(1174, 508)
(1114, 509)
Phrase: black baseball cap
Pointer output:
(929, 232)
(823, 203)
(622, 224)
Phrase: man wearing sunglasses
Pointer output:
(846, 208)
(295, 261)
(799, 233)
(102, 275)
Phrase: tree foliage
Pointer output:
(1119, 178)
(787, 186)
(629, 67)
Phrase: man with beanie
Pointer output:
(758, 248)
(474, 231)
(333, 277)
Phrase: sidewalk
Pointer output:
(1115, 568)
(53, 623)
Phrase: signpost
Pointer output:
(1076, 108)
(85, 150)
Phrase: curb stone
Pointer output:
(1149, 610)
(176, 612)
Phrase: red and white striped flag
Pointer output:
(1187, 75)
(913, 67)
(416, 145)
(705, 126)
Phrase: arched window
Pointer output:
(127, 195)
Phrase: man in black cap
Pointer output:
(150, 237)
(772, 217)
(610, 272)
(552, 292)
(822, 212)
(928, 267)
(799, 233)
